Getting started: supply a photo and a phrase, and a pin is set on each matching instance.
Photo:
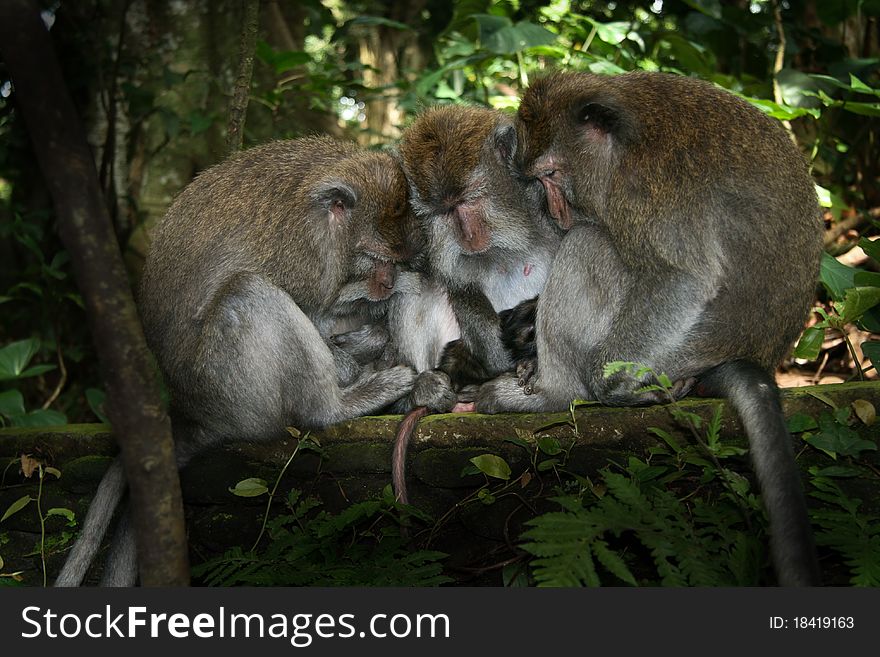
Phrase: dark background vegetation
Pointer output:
(153, 80)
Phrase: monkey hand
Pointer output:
(525, 373)
(434, 390)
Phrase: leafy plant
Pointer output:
(29, 466)
(699, 543)
(855, 295)
(15, 365)
(663, 522)
(361, 546)
(364, 545)
(845, 528)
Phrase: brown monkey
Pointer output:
(483, 245)
(693, 248)
(256, 264)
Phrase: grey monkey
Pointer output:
(257, 263)
(483, 245)
(693, 247)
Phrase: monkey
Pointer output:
(483, 245)
(692, 247)
(255, 266)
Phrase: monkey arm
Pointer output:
(481, 353)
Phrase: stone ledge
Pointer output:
(358, 458)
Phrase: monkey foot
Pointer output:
(525, 372)
(464, 407)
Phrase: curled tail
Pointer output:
(107, 497)
(754, 395)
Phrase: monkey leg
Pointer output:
(364, 344)
(505, 395)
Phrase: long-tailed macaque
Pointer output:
(257, 263)
(693, 248)
(483, 245)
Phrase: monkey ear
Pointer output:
(335, 197)
(598, 117)
(504, 143)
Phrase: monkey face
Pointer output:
(463, 188)
(573, 131)
(379, 227)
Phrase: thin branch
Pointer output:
(238, 104)
(62, 380)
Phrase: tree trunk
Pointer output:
(140, 423)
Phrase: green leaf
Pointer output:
(39, 418)
(507, 39)
(485, 496)
(858, 85)
(251, 487)
(492, 466)
(15, 356)
(16, 506)
(36, 370)
(667, 438)
(548, 445)
(862, 109)
(612, 33)
(469, 470)
(782, 112)
(871, 349)
(616, 366)
(871, 247)
(837, 439)
(810, 344)
(613, 563)
(836, 471)
(859, 300)
(11, 403)
(64, 513)
(55, 472)
(547, 464)
(836, 277)
(520, 440)
(828, 199)
(822, 397)
(799, 422)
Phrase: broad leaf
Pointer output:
(492, 466)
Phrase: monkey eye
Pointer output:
(338, 206)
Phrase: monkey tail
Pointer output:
(754, 395)
(110, 492)
(398, 457)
